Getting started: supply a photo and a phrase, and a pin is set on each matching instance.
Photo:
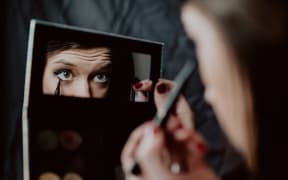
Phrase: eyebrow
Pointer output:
(63, 61)
(104, 67)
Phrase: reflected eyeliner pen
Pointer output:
(161, 115)
(57, 90)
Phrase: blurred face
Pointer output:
(82, 72)
(226, 86)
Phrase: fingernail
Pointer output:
(151, 130)
(202, 147)
(179, 135)
(162, 88)
(138, 85)
(156, 130)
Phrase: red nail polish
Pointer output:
(202, 147)
(156, 130)
(138, 85)
(162, 88)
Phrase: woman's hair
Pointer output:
(257, 32)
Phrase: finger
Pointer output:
(161, 92)
(177, 148)
(173, 124)
(181, 110)
(187, 149)
(152, 143)
(142, 88)
(194, 145)
(140, 96)
(190, 136)
(143, 85)
(127, 155)
(151, 153)
(182, 116)
(184, 113)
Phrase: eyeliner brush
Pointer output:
(57, 90)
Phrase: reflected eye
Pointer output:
(64, 74)
(101, 78)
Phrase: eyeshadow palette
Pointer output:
(79, 102)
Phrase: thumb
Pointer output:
(152, 153)
(162, 89)
(181, 109)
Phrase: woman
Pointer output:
(85, 70)
(241, 47)
(77, 70)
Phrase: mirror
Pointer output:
(86, 69)
(79, 101)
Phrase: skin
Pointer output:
(149, 146)
(144, 86)
(227, 86)
(84, 73)
(227, 89)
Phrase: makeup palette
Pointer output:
(73, 128)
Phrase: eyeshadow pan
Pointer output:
(72, 176)
(70, 140)
(49, 176)
(47, 140)
(77, 164)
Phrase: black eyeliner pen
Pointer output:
(161, 115)
(57, 90)
(182, 77)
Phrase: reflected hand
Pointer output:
(182, 111)
(141, 89)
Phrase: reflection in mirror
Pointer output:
(142, 64)
(85, 70)
(74, 69)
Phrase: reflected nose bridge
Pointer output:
(83, 88)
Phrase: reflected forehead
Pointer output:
(96, 50)
(90, 54)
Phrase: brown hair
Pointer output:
(257, 31)
(249, 23)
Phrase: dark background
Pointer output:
(149, 19)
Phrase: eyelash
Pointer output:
(60, 72)
(106, 78)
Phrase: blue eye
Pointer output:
(101, 78)
(64, 74)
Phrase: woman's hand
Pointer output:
(175, 152)
(141, 89)
(181, 111)
(147, 145)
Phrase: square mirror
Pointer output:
(79, 101)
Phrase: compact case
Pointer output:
(67, 137)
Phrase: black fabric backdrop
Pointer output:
(154, 20)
